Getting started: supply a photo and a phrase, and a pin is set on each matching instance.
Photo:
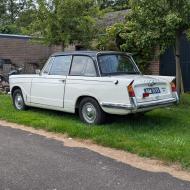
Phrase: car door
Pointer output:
(49, 87)
(81, 80)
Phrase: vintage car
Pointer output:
(93, 84)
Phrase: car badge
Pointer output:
(151, 83)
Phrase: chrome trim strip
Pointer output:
(117, 106)
(135, 106)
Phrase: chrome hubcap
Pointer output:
(18, 101)
(89, 113)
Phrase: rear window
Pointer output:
(116, 64)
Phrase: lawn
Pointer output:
(162, 133)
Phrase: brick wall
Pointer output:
(23, 51)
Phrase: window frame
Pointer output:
(49, 61)
(117, 53)
(94, 63)
(53, 62)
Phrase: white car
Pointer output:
(93, 84)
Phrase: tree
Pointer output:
(13, 9)
(115, 4)
(2, 11)
(64, 22)
(10, 11)
(163, 22)
(121, 4)
(120, 38)
(105, 3)
(26, 17)
(151, 23)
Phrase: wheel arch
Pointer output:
(80, 98)
(15, 88)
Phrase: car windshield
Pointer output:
(116, 64)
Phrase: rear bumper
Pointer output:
(157, 103)
(135, 106)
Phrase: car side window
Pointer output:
(61, 65)
(83, 66)
(47, 66)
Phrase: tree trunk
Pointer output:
(11, 9)
(178, 64)
(62, 46)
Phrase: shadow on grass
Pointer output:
(149, 121)
(51, 112)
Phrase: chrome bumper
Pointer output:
(164, 102)
(136, 105)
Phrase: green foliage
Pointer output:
(156, 22)
(55, 21)
(10, 13)
(11, 9)
(115, 39)
(9, 29)
(2, 11)
(153, 23)
(25, 18)
(64, 22)
(108, 41)
(113, 4)
(149, 24)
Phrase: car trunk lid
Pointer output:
(151, 89)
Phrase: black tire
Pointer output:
(95, 115)
(18, 100)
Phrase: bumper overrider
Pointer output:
(134, 105)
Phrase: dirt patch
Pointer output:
(121, 156)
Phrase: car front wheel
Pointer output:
(90, 112)
(18, 100)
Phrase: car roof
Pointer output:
(88, 53)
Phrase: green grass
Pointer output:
(162, 133)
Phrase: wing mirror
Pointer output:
(38, 71)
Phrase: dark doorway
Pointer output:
(167, 62)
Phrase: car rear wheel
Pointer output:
(90, 112)
(18, 100)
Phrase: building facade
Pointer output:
(23, 52)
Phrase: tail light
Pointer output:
(145, 95)
(173, 86)
(131, 90)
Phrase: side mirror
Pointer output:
(38, 71)
(20, 70)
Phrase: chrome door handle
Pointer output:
(62, 80)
